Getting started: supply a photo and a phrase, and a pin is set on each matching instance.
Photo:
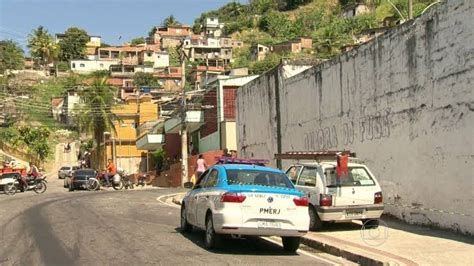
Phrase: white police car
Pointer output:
(245, 199)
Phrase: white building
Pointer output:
(161, 60)
(213, 28)
(89, 66)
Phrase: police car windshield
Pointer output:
(257, 177)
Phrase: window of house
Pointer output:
(73, 65)
(149, 54)
(101, 65)
(82, 65)
(260, 49)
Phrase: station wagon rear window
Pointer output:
(253, 177)
(357, 176)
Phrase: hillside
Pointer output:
(268, 22)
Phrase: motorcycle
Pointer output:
(9, 182)
(141, 179)
(127, 182)
(118, 181)
(38, 184)
(13, 182)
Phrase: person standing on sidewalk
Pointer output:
(201, 166)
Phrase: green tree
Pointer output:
(94, 115)
(144, 79)
(36, 141)
(152, 31)
(138, 40)
(292, 4)
(73, 45)
(271, 60)
(170, 21)
(174, 56)
(42, 46)
(11, 56)
(278, 25)
(263, 6)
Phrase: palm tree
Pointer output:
(94, 115)
(170, 21)
(42, 46)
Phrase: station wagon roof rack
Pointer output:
(230, 160)
(312, 155)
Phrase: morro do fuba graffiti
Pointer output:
(348, 131)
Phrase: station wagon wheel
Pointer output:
(370, 223)
(185, 226)
(315, 222)
(212, 239)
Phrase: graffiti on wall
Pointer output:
(367, 128)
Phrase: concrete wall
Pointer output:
(228, 135)
(403, 102)
(209, 143)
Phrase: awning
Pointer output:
(194, 120)
(151, 142)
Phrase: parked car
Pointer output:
(357, 196)
(67, 179)
(66, 171)
(80, 177)
(246, 200)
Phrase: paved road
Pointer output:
(114, 228)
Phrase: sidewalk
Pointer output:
(397, 243)
(392, 243)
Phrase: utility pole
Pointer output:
(184, 131)
(410, 9)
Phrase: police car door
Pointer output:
(193, 198)
(204, 196)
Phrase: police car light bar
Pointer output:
(230, 160)
(312, 155)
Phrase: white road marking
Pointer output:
(302, 252)
(160, 199)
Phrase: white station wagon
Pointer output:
(246, 200)
(357, 196)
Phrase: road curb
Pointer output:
(340, 252)
(178, 198)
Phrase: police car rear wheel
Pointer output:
(291, 244)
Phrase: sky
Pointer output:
(116, 21)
